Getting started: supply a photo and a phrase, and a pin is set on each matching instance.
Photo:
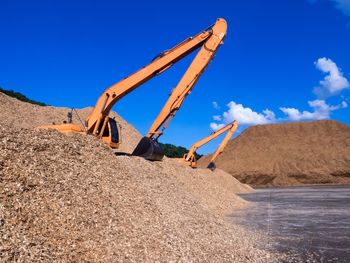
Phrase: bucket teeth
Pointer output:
(149, 149)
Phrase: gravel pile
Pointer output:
(24, 115)
(71, 199)
(316, 152)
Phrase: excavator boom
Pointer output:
(117, 91)
(222, 146)
(148, 146)
(189, 79)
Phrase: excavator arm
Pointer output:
(222, 146)
(130, 83)
(148, 146)
(189, 79)
(190, 159)
(101, 125)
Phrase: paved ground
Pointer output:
(311, 223)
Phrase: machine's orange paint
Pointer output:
(209, 40)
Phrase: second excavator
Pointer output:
(190, 158)
(102, 126)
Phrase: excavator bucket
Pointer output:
(149, 149)
(211, 166)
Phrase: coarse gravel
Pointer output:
(69, 198)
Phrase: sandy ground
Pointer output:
(71, 199)
(316, 152)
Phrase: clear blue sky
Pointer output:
(65, 53)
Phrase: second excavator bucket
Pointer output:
(211, 166)
(149, 149)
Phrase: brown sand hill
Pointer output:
(24, 115)
(71, 199)
(316, 152)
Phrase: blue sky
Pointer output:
(281, 60)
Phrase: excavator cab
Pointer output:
(190, 160)
(111, 133)
(149, 149)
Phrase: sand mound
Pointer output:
(315, 152)
(70, 198)
(15, 113)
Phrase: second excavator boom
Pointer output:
(190, 158)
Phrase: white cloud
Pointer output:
(217, 118)
(321, 111)
(269, 115)
(246, 116)
(214, 126)
(343, 6)
(334, 82)
(216, 105)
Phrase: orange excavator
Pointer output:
(102, 126)
(190, 158)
